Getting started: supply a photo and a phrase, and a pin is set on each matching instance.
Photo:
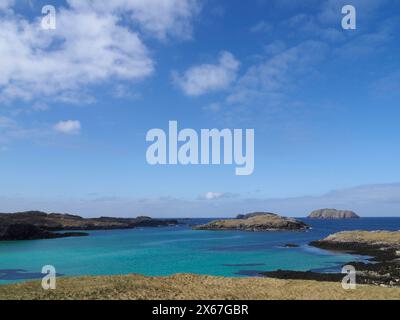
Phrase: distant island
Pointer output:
(333, 214)
(257, 221)
(33, 225)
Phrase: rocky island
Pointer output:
(333, 214)
(257, 221)
(33, 225)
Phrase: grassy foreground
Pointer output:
(185, 286)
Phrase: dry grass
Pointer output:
(370, 237)
(185, 286)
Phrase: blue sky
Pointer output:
(76, 104)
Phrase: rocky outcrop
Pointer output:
(382, 246)
(303, 275)
(32, 225)
(333, 214)
(257, 222)
(24, 231)
(291, 245)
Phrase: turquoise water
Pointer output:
(165, 251)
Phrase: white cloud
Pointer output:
(213, 195)
(205, 78)
(88, 47)
(68, 127)
(91, 49)
(157, 17)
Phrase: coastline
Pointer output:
(297, 279)
(382, 267)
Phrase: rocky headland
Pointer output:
(256, 222)
(33, 225)
(383, 267)
(333, 214)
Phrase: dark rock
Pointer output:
(23, 231)
(304, 275)
(291, 245)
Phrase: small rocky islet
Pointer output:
(332, 214)
(256, 222)
(35, 225)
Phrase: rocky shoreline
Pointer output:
(35, 225)
(25, 231)
(383, 248)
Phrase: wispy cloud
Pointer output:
(11, 130)
(279, 73)
(262, 26)
(387, 85)
(6, 122)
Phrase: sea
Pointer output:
(179, 249)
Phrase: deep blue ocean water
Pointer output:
(171, 250)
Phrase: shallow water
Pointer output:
(165, 251)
